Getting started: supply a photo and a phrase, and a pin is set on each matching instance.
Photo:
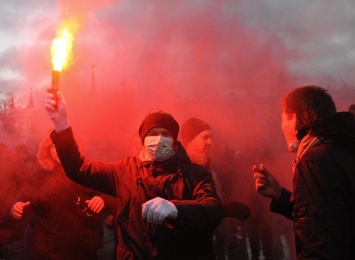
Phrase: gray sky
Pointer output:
(185, 46)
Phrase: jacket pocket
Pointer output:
(305, 228)
(309, 225)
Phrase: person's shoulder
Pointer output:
(40, 175)
(128, 161)
(194, 169)
(37, 168)
(325, 159)
(328, 150)
(194, 166)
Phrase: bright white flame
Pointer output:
(61, 50)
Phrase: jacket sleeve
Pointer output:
(283, 205)
(110, 205)
(203, 212)
(92, 174)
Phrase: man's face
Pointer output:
(201, 144)
(288, 128)
(156, 131)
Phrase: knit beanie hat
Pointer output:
(191, 128)
(159, 118)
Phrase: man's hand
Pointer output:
(96, 204)
(57, 111)
(265, 183)
(157, 210)
(18, 208)
(110, 221)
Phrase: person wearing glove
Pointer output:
(67, 217)
(167, 207)
(322, 202)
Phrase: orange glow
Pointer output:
(61, 49)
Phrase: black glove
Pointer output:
(236, 210)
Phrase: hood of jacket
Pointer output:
(339, 128)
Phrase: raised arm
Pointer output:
(57, 111)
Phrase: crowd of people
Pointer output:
(45, 215)
(194, 199)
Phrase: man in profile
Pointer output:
(230, 236)
(322, 202)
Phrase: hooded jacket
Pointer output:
(189, 186)
(322, 203)
(64, 228)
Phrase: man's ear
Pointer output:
(295, 122)
(189, 145)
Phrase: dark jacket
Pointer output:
(64, 228)
(13, 177)
(189, 186)
(322, 204)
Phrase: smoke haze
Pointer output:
(226, 62)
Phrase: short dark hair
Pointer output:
(351, 107)
(309, 103)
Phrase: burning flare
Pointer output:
(61, 56)
(61, 49)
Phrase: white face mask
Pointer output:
(158, 148)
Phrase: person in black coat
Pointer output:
(230, 235)
(322, 202)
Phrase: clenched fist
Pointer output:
(158, 209)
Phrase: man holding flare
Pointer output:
(167, 207)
